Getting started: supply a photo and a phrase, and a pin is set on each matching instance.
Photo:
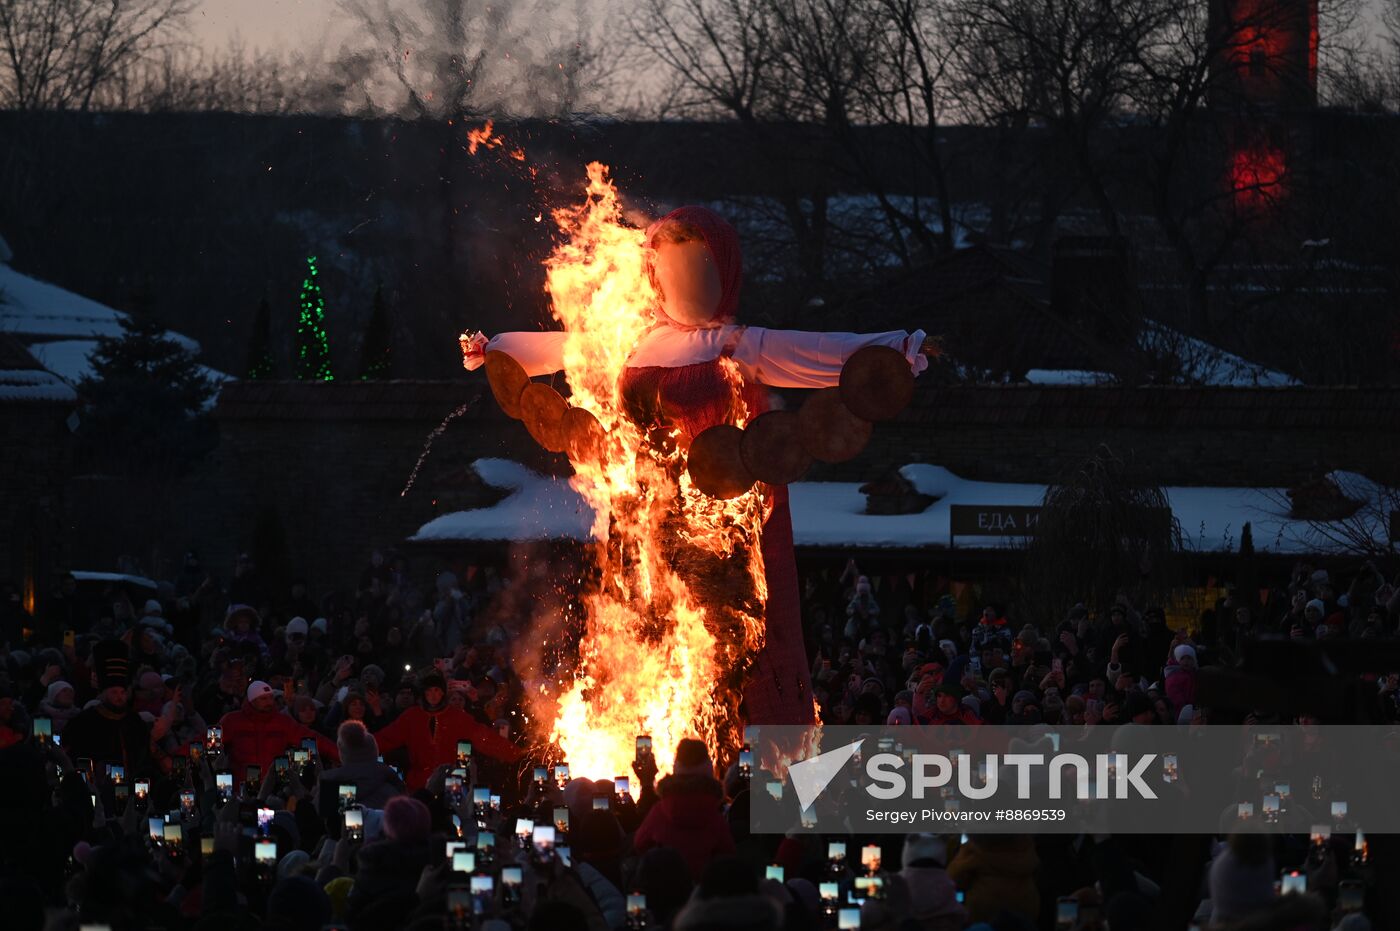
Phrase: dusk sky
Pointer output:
(285, 24)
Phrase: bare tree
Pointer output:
(236, 80)
(808, 79)
(1102, 537)
(61, 54)
(1067, 67)
(445, 59)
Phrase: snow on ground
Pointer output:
(538, 508)
(832, 514)
(34, 385)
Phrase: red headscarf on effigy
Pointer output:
(723, 243)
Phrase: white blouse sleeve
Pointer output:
(795, 359)
(537, 353)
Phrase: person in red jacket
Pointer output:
(258, 732)
(430, 730)
(947, 710)
(689, 816)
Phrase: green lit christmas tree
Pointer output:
(313, 359)
(260, 365)
(376, 356)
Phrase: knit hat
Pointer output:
(291, 863)
(338, 890)
(919, 848)
(973, 704)
(407, 819)
(692, 759)
(110, 662)
(320, 625)
(257, 689)
(432, 679)
(899, 714)
(55, 688)
(1025, 697)
(1317, 605)
(1183, 649)
(296, 626)
(152, 606)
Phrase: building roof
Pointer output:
(58, 330)
(833, 514)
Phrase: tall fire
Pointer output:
(677, 607)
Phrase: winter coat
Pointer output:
(375, 783)
(998, 872)
(604, 894)
(993, 634)
(1181, 686)
(101, 736)
(936, 718)
(730, 913)
(254, 738)
(431, 738)
(689, 818)
(933, 899)
(388, 869)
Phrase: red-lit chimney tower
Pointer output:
(1265, 73)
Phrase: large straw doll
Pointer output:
(678, 384)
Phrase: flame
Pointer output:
(677, 609)
(482, 137)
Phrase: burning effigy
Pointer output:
(692, 621)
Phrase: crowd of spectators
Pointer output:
(216, 754)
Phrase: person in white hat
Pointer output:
(259, 731)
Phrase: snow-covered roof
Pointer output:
(34, 385)
(1207, 364)
(536, 508)
(832, 514)
(142, 581)
(71, 360)
(34, 309)
(60, 328)
(1067, 377)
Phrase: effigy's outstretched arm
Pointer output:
(537, 353)
(797, 359)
